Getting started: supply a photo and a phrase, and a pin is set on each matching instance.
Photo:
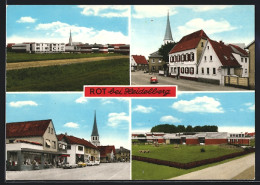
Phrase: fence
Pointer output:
(237, 81)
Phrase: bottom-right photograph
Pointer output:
(197, 136)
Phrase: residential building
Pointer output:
(107, 153)
(185, 55)
(94, 135)
(122, 154)
(138, 62)
(251, 48)
(156, 62)
(80, 150)
(30, 143)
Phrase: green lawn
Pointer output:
(184, 153)
(69, 77)
(149, 171)
(26, 57)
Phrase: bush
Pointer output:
(202, 150)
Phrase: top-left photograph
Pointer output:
(64, 47)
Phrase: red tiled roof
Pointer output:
(239, 49)
(104, 150)
(224, 54)
(27, 128)
(75, 140)
(190, 41)
(139, 59)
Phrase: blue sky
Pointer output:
(231, 112)
(52, 23)
(231, 24)
(72, 113)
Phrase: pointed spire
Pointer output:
(70, 39)
(168, 32)
(95, 129)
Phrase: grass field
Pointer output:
(148, 171)
(26, 57)
(184, 153)
(69, 77)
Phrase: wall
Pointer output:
(244, 64)
(200, 49)
(156, 63)
(215, 141)
(252, 66)
(72, 152)
(50, 135)
(239, 141)
(192, 141)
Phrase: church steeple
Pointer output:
(168, 32)
(70, 39)
(95, 135)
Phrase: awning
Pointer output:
(48, 142)
(64, 155)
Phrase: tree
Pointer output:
(189, 128)
(165, 49)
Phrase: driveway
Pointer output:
(104, 171)
(226, 171)
(141, 78)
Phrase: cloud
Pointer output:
(114, 119)
(81, 100)
(105, 10)
(199, 104)
(169, 119)
(250, 106)
(204, 8)
(210, 26)
(141, 131)
(71, 125)
(234, 129)
(143, 109)
(22, 103)
(26, 20)
(141, 11)
(105, 101)
(123, 99)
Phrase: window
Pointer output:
(186, 70)
(187, 57)
(152, 60)
(179, 57)
(51, 130)
(207, 70)
(245, 70)
(54, 144)
(208, 47)
(47, 143)
(202, 70)
(214, 71)
(159, 61)
(80, 148)
(241, 59)
(245, 60)
(182, 70)
(202, 44)
(68, 147)
(205, 57)
(11, 141)
(175, 70)
(192, 70)
(210, 58)
(182, 57)
(192, 56)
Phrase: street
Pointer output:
(141, 78)
(234, 169)
(104, 171)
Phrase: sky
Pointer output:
(103, 24)
(74, 114)
(231, 24)
(230, 111)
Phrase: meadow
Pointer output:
(26, 57)
(70, 77)
(184, 153)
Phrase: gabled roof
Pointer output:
(190, 41)
(75, 140)
(155, 55)
(247, 47)
(27, 128)
(238, 50)
(139, 59)
(224, 54)
(95, 129)
(104, 150)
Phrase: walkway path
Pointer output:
(225, 171)
(22, 65)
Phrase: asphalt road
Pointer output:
(225, 171)
(141, 78)
(104, 171)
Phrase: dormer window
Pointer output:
(226, 57)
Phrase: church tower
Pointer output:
(168, 32)
(94, 136)
(70, 39)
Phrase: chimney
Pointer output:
(221, 42)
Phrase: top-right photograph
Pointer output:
(196, 47)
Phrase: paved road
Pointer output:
(105, 171)
(22, 65)
(141, 78)
(225, 171)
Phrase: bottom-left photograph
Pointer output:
(64, 136)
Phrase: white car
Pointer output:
(67, 165)
(90, 163)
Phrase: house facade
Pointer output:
(156, 62)
(31, 144)
(107, 153)
(138, 62)
(123, 154)
(251, 48)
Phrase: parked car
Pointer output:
(97, 162)
(90, 163)
(67, 165)
(153, 79)
(81, 164)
